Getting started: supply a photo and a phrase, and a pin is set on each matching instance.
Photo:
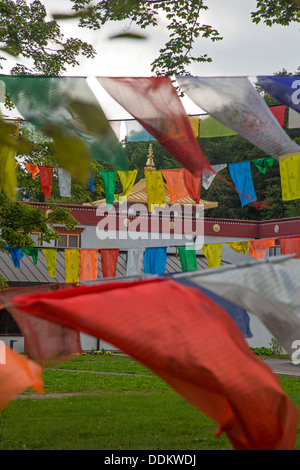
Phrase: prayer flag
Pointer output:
(109, 182)
(188, 259)
(155, 259)
(293, 119)
(137, 133)
(283, 88)
(16, 375)
(64, 181)
(46, 173)
(175, 184)
(194, 121)
(127, 179)
(71, 265)
(213, 254)
(258, 248)
(176, 339)
(193, 185)
(88, 264)
(290, 177)
(209, 175)
(290, 245)
(279, 113)
(241, 175)
(240, 247)
(154, 102)
(262, 164)
(32, 168)
(16, 255)
(8, 178)
(210, 127)
(236, 103)
(50, 255)
(91, 183)
(135, 258)
(109, 259)
(33, 252)
(155, 189)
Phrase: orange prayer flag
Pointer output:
(88, 264)
(290, 245)
(33, 169)
(258, 248)
(16, 374)
(193, 185)
(109, 258)
(191, 343)
(175, 184)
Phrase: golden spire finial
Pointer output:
(150, 160)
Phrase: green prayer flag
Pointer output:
(66, 109)
(34, 252)
(109, 182)
(262, 164)
(188, 259)
(211, 127)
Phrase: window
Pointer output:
(36, 237)
(68, 239)
(275, 250)
(8, 326)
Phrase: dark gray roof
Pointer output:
(31, 274)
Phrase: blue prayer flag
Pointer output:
(155, 259)
(283, 88)
(241, 175)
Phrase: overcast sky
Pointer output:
(247, 48)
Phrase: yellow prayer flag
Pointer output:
(71, 266)
(155, 189)
(213, 254)
(8, 178)
(240, 247)
(194, 120)
(127, 179)
(50, 255)
(290, 177)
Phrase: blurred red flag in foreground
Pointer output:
(191, 343)
(16, 374)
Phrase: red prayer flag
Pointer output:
(16, 374)
(193, 185)
(191, 343)
(44, 341)
(279, 113)
(46, 173)
(290, 245)
(109, 258)
(155, 104)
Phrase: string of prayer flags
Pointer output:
(8, 178)
(71, 266)
(283, 88)
(135, 257)
(236, 103)
(45, 340)
(241, 175)
(154, 102)
(127, 179)
(50, 255)
(109, 258)
(88, 264)
(64, 181)
(156, 195)
(16, 255)
(137, 133)
(192, 329)
(33, 252)
(213, 254)
(290, 245)
(258, 248)
(46, 174)
(16, 375)
(175, 184)
(193, 185)
(66, 109)
(32, 168)
(290, 177)
(210, 127)
(262, 164)
(187, 256)
(240, 247)
(155, 259)
(109, 182)
(208, 175)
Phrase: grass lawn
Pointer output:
(111, 411)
